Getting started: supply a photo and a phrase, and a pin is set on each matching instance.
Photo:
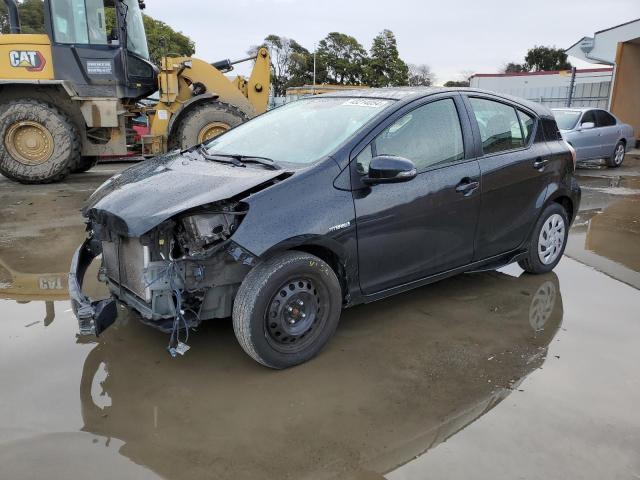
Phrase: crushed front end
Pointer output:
(184, 270)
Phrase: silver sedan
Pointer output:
(595, 134)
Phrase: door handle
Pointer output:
(540, 163)
(467, 186)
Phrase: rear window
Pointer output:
(604, 119)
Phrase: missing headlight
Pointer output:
(200, 231)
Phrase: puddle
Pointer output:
(489, 375)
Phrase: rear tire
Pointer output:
(548, 240)
(286, 309)
(85, 164)
(204, 122)
(617, 157)
(38, 142)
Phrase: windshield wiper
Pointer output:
(247, 159)
(220, 158)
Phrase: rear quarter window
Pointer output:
(550, 129)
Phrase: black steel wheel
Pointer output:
(296, 315)
(286, 309)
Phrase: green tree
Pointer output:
(162, 40)
(301, 67)
(420, 76)
(288, 59)
(31, 16)
(457, 83)
(541, 58)
(343, 58)
(385, 67)
(512, 67)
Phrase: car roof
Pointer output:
(408, 94)
(576, 109)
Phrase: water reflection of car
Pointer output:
(595, 134)
(401, 377)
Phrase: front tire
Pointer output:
(286, 309)
(617, 157)
(548, 240)
(204, 122)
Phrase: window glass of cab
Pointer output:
(429, 135)
(604, 119)
(499, 125)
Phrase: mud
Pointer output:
(491, 375)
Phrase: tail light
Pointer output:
(573, 154)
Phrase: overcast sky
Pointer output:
(450, 36)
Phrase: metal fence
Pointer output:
(584, 95)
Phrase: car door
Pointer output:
(609, 133)
(587, 141)
(514, 169)
(407, 231)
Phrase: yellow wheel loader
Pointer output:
(69, 96)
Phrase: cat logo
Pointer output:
(32, 60)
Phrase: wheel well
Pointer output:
(331, 259)
(52, 94)
(567, 204)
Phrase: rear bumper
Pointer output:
(94, 316)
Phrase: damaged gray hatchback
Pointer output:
(322, 204)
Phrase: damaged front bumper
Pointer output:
(161, 290)
(94, 316)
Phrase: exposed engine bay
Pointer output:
(182, 272)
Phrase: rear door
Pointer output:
(514, 168)
(407, 231)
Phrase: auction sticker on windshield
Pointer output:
(367, 102)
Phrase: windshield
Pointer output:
(136, 37)
(300, 132)
(566, 119)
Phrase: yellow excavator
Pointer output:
(69, 97)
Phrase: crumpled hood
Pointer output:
(147, 194)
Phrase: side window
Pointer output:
(499, 125)
(429, 135)
(527, 122)
(589, 116)
(605, 119)
(364, 159)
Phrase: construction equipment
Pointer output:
(68, 97)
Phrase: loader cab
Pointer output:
(100, 46)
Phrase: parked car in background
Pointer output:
(326, 203)
(595, 134)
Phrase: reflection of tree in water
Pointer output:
(400, 377)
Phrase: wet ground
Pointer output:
(484, 376)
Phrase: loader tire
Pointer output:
(85, 164)
(38, 142)
(204, 122)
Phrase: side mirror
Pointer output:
(587, 126)
(390, 169)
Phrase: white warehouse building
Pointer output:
(613, 83)
(591, 86)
